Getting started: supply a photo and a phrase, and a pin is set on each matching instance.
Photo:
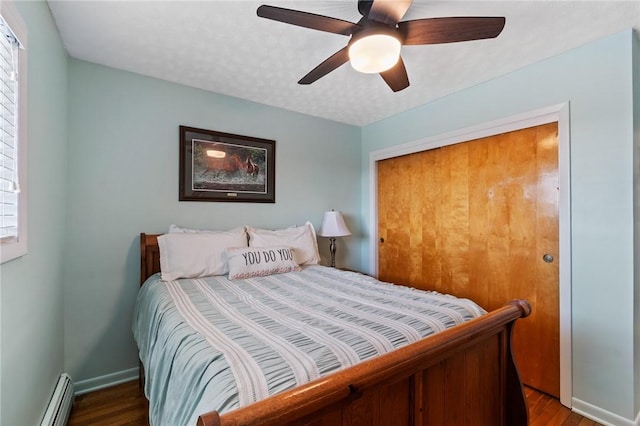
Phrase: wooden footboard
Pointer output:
(465, 375)
(462, 376)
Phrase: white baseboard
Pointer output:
(600, 415)
(108, 380)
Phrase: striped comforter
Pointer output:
(213, 343)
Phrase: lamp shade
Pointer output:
(333, 225)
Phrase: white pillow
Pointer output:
(260, 261)
(175, 229)
(301, 238)
(193, 255)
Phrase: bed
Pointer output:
(462, 375)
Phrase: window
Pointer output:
(13, 230)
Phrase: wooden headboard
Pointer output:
(149, 256)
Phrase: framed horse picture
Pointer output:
(217, 166)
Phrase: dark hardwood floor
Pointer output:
(545, 410)
(125, 404)
(119, 405)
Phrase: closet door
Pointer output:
(479, 220)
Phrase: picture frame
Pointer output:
(217, 166)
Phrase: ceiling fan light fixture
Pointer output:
(374, 53)
(377, 37)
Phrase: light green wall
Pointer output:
(123, 180)
(596, 80)
(31, 288)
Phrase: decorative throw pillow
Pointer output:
(250, 262)
(194, 255)
(301, 238)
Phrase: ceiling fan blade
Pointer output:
(396, 77)
(308, 20)
(450, 30)
(329, 64)
(389, 12)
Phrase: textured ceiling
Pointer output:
(223, 47)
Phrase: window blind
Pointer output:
(9, 185)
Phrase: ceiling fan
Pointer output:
(377, 37)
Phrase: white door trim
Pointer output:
(559, 113)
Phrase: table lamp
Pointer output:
(333, 226)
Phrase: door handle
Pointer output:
(382, 240)
(548, 258)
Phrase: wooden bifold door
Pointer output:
(479, 220)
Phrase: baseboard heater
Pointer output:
(60, 404)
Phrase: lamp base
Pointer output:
(332, 250)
